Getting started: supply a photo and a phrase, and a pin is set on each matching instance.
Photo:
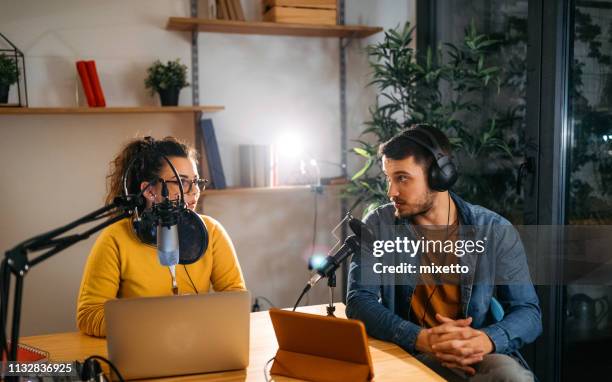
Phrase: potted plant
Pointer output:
(9, 73)
(167, 80)
(410, 93)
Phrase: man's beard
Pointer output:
(405, 210)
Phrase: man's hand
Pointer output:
(457, 345)
(424, 339)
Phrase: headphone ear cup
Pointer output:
(442, 178)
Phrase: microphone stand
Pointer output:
(17, 264)
(331, 283)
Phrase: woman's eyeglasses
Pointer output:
(188, 184)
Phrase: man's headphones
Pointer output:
(442, 173)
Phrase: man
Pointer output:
(447, 320)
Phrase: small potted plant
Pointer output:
(9, 73)
(167, 80)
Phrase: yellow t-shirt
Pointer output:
(120, 265)
(439, 293)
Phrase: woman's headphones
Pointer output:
(442, 173)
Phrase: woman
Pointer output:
(120, 265)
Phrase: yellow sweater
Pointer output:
(120, 265)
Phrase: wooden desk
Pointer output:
(390, 362)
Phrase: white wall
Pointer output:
(53, 167)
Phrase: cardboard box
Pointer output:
(317, 4)
(301, 15)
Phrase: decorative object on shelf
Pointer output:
(323, 12)
(167, 80)
(12, 71)
(211, 156)
(255, 166)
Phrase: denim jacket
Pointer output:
(384, 305)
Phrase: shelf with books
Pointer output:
(109, 110)
(188, 24)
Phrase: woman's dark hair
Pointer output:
(145, 155)
(400, 146)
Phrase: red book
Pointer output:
(27, 353)
(95, 83)
(87, 89)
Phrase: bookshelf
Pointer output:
(109, 110)
(189, 24)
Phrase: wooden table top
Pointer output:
(391, 363)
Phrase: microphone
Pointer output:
(352, 245)
(362, 231)
(331, 263)
(167, 234)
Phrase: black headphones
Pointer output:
(442, 172)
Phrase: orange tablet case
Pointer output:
(320, 348)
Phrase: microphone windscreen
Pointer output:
(362, 231)
(192, 234)
(193, 237)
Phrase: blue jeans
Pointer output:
(493, 368)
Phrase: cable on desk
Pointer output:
(265, 370)
(109, 363)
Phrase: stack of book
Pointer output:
(300, 11)
(91, 83)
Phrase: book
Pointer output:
(238, 10)
(86, 83)
(222, 12)
(26, 353)
(95, 83)
(211, 9)
(230, 7)
(211, 151)
(204, 168)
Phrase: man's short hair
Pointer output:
(401, 146)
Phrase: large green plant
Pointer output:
(451, 89)
(8, 70)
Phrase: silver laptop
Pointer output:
(163, 336)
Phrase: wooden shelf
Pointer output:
(109, 110)
(267, 28)
(243, 190)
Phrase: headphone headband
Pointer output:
(442, 173)
(434, 148)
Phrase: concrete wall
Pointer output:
(53, 167)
